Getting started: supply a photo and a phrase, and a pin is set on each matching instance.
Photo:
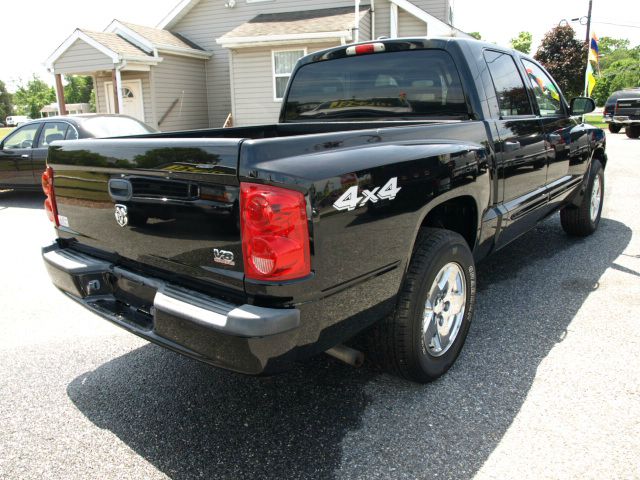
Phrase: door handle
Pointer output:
(25, 155)
(511, 146)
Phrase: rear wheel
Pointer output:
(632, 131)
(584, 219)
(424, 336)
(613, 128)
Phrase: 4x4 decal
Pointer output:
(350, 199)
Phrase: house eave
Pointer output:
(184, 52)
(267, 40)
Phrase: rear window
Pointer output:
(101, 127)
(397, 85)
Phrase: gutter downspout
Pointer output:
(373, 19)
(356, 25)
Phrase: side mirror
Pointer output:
(582, 105)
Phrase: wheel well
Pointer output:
(599, 154)
(459, 215)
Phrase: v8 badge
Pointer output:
(224, 257)
(121, 215)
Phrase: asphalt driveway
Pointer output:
(547, 386)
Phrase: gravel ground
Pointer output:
(547, 386)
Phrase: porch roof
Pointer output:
(329, 23)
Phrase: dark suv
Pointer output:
(611, 117)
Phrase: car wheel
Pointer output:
(424, 336)
(613, 128)
(633, 131)
(583, 220)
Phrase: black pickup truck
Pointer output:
(622, 109)
(395, 167)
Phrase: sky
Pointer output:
(499, 21)
(28, 42)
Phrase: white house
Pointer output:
(212, 60)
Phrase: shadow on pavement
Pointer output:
(21, 199)
(326, 420)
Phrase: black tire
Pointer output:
(397, 341)
(576, 220)
(632, 131)
(613, 128)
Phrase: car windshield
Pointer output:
(101, 127)
(397, 85)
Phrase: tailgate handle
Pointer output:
(120, 189)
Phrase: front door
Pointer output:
(132, 101)
(16, 169)
(520, 153)
(568, 146)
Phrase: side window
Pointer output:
(51, 132)
(546, 92)
(510, 90)
(22, 138)
(283, 63)
(72, 133)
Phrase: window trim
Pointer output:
(275, 75)
(527, 87)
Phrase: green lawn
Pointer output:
(4, 131)
(595, 120)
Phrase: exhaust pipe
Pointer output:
(348, 355)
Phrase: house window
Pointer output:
(283, 63)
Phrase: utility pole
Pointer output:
(589, 23)
(588, 40)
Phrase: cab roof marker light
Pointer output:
(365, 48)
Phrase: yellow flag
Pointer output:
(590, 80)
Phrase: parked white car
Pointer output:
(16, 120)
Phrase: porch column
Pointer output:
(117, 91)
(62, 107)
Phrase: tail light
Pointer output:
(365, 49)
(50, 205)
(275, 234)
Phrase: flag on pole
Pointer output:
(592, 59)
(593, 49)
(590, 80)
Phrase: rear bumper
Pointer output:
(243, 338)
(622, 120)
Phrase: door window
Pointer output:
(546, 93)
(510, 90)
(22, 138)
(51, 132)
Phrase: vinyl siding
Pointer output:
(101, 99)
(410, 26)
(209, 20)
(184, 79)
(253, 84)
(81, 57)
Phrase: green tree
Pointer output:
(606, 45)
(32, 96)
(522, 42)
(476, 35)
(565, 57)
(6, 106)
(78, 88)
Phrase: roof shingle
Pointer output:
(291, 23)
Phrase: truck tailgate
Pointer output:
(168, 204)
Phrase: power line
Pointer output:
(616, 24)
